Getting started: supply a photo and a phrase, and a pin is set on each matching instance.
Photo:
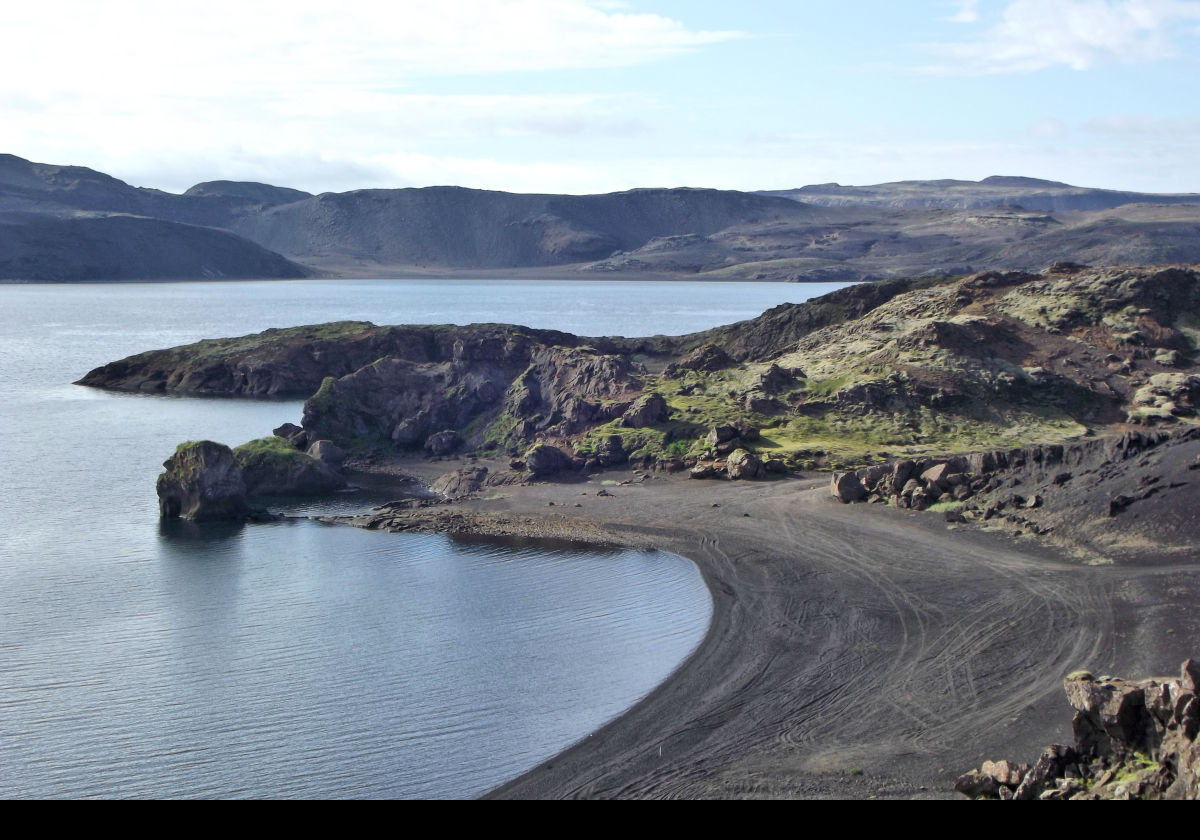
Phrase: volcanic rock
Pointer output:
(202, 482)
(546, 460)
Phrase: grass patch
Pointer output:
(268, 453)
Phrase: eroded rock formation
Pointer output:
(202, 481)
(1134, 739)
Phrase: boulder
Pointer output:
(940, 476)
(1133, 740)
(776, 380)
(443, 443)
(744, 465)
(747, 431)
(847, 488)
(328, 452)
(647, 410)
(722, 434)
(202, 482)
(761, 404)
(455, 485)
(704, 359)
(544, 460)
(902, 471)
(288, 431)
(1189, 676)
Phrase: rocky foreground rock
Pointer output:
(1134, 739)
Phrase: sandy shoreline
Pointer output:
(854, 651)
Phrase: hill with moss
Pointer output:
(990, 360)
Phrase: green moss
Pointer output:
(269, 453)
(499, 432)
(323, 400)
(829, 387)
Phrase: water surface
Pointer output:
(139, 659)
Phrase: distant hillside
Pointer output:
(456, 227)
(106, 248)
(816, 233)
(996, 191)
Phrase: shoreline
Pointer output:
(853, 651)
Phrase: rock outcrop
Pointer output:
(459, 483)
(1133, 740)
(273, 467)
(544, 460)
(1128, 496)
(203, 481)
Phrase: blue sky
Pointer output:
(591, 96)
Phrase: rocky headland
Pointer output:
(869, 375)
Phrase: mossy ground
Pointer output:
(826, 437)
(270, 453)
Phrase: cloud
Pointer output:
(129, 82)
(1033, 35)
(222, 48)
(968, 12)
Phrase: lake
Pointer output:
(294, 659)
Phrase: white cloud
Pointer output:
(968, 12)
(129, 83)
(1033, 35)
(220, 48)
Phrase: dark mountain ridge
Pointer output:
(993, 191)
(823, 232)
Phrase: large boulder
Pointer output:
(846, 487)
(455, 485)
(722, 434)
(647, 410)
(328, 452)
(203, 482)
(544, 460)
(271, 467)
(443, 443)
(744, 465)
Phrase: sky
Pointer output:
(586, 96)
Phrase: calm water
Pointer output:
(296, 660)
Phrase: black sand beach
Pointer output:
(855, 651)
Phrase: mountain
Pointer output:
(996, 191)
(817, 233)
(453, 227)
(116, 247)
